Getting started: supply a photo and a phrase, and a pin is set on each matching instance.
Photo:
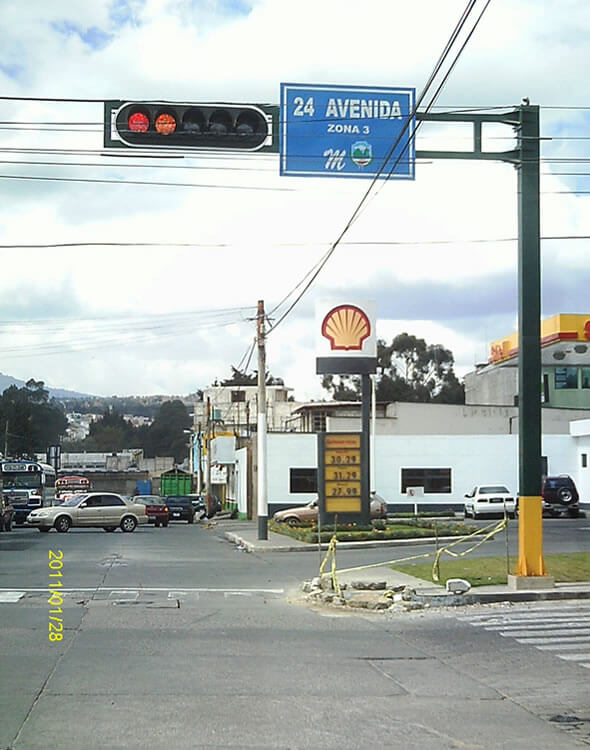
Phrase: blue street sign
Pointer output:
(346, 131)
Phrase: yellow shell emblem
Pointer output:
(346, 327)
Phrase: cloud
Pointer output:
(411, 247)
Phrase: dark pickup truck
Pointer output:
(180, 508)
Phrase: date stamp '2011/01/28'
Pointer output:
(56, 598)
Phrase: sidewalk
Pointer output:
(244, 534)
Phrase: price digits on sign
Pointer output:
(338, 490)
(351, 457)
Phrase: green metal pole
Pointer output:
(365, 448)
(530, 562)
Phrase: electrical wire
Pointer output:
(448, 46)
(145, 182)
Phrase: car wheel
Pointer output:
(157, 524)
(128, 524)
(565, 495)
(165, 524)
(45, 529)
(109, 528)
(291, 521)
(62, 524)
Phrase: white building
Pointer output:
(447, 449)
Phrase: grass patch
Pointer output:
(488, 571)
(379, 530)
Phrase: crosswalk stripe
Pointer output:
(563, 632)
(542, 626)
(544, 633)
(525, 620)
(560, 611)
(10, 597)
(535, 641)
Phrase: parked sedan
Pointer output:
(489, 499)
(309, 512)
(155, 507)
(180, 508)
(93, 509)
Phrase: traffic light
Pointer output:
(215, 126)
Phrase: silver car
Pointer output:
(92, 509)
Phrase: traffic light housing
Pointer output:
(204, 126)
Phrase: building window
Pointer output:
(433, 480)
(585, 377)
(238, 397)
(566, 377)
(319, 421)
(303, 480)
(584, 460)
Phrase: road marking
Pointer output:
(146, 588)
(527, 620)
(564, 631)
(9, 597)
(536, 641)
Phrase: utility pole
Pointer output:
(261, 433)
(200, 460)
(208, 463)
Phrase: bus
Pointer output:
(65, 487)
(27, 485)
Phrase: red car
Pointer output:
(155, 508)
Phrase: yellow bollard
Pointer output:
(530, 537)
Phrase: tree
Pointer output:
(166, 436)
(29, 420)
(111, 433)
(408, 369)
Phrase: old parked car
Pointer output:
(489, 499)
(155, 507)
(105, 510)
(6, 514)
(309, 512)
(560, 496)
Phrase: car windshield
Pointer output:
(74, 500)
(493, 488)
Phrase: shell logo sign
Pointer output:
(346, 340)
(346, 327)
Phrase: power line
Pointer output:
(448, 46)
(144, 182)
(352, 243)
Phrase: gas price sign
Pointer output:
(344, 131)
(341, 478)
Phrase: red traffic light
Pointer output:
(246, 127)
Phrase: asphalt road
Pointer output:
(174, 638)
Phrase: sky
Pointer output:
(438, 254)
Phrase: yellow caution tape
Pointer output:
(494, 528)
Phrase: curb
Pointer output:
(307, 547)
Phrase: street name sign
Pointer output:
(346, 131)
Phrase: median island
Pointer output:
(380, 529)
